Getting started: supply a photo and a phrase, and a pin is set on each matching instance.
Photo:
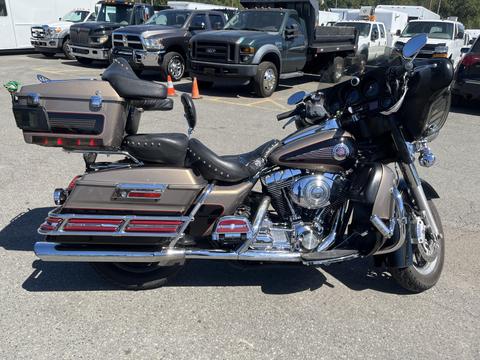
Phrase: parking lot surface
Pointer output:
(213, 310)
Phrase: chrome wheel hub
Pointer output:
(269, 80)
(176, 68)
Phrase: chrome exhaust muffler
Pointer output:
(48, 251)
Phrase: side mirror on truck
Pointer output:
(398, 33)
(197, 27)
(291, 31)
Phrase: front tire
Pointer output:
(84, 61)
(67, 50)
(173, 64)
(266, 79)
(422, 274)
(136, 276)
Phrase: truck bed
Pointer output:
(334, 38)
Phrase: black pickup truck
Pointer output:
(162, 42)
(272, 40)
(93, 40)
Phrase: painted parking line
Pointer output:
(49, 70)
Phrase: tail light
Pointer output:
(470, 59)
(154, 226)
(232, 226)
(51, 224)
(96, 225)
(73, 183)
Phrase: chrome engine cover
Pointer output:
(312, 191)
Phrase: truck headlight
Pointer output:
(153, 43)
(100, 39)
(54, 30)
(247, 50)
(440, 52)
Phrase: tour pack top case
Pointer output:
(73, 114)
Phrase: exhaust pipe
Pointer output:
(48, 251)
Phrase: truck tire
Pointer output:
(48, 55)
(173, 64)
(136, 276)
(266, 80)
(83, 61)
(335, 70)
(67, 50)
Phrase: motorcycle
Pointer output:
(342, 186)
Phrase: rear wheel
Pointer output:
(48, 55)
(335, 70)
(266, 79)
(173, 64)
(136, 276)
(67, 50)
(83, 61)
(428, 257)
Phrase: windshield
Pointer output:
(75, 16)
(256, 21)
(169, 18)
(434, 29)
(362, 28)
(120, 14)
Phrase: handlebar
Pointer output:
(287, 114)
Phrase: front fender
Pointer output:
(266, 49)
(429, 190)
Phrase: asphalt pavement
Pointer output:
(212, 310)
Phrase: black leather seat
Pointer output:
(230, 168)
(170, 148)
(127, 84)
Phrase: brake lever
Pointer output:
(292, 119)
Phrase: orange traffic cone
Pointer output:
(170, 88)
(195, 92)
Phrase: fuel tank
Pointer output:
(315, 148)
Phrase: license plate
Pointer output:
(209, 71)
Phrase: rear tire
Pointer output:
(136, 276)
(67, 51)
(417, 278)
(335, 70)
(84, 61)
(48, 55)
(266, 80)
(173, 64)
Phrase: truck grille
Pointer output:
(215, 52)
(124, 40)
(38, 32)
(79, 36)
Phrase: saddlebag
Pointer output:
(73, 114)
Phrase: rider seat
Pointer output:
(229, 168)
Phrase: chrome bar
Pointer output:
(261, 212)
(330, 238)
(191, 216)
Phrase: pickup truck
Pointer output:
(272, 40)
(162, 42)
(50, 39)
(93, 40)
(372, 38)
(445, 38)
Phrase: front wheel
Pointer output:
(173, 64)
(67, 50)
(136, 276)
(427, 261)
(266, 79)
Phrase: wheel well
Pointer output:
(273, 58)
(177, 49)
(65, 38)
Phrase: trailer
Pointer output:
(18, 16)
(413, 12)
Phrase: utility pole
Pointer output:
(439, 3)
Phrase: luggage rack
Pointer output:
(90, 156)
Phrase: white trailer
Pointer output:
(18, 16)
(413, 12)
(188, 5)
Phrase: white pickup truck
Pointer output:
(445, 38)
(54, 38)
(372, 38)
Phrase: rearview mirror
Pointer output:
(398, 33)
(414, 45)
(465, 49)
(294, 99)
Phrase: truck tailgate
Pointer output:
(344, 38)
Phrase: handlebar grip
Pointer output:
(286, 114)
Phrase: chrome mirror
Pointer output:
(294, 99)
(414, 45)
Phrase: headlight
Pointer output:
(153, 43)
(101, 39)
(54, 30)
(250, 50)
(440, 52)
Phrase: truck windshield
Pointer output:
(256, 21)
(169, 18)
(118, 13)
(75, 16)
(363, 29)
(434, 29)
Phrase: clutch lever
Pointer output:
(292, 119)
